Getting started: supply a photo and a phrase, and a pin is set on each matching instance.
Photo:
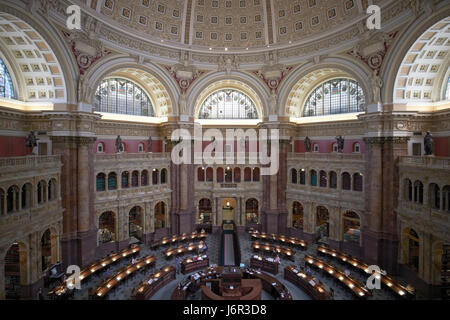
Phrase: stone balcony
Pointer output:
(327, 157)
(17, 167)
(426, 162)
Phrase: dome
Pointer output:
(232, 25)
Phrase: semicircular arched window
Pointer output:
(6, 84)
(228, 104)
(447, 96)
(334, 97)
(117, 95)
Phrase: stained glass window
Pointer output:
(124, 97)
(6, 84)
(228, 104)
(448, 89)
(334, 97)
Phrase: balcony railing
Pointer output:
(315, 156)
(29, 162)
(132, 156)
(426, 162)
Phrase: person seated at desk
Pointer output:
(347, 272)
(277, 259)
(308, 271)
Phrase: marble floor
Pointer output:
(213, 243)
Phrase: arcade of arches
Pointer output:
(87, 117)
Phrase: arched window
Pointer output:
(351, 228)
(228, 175)
(293, 176)
(323, 179)
(106, 227)
(418, 192)
(334, 97)
(26, 196)
(100, 182)
(140, 147)
(313, 176)
(297, 215)
(2, 202)
(163, 176)
(46, 247)
(256, 174)
(251, 211)
(333, 180)
(446, 198)
(237, 175)
(12, 201)
(100, 147)
(160, 213)
(346, 181)
(357, 148)
(6, 84)
(247, 174)
(125, 179)
(316, 147)
(302, 176)
(209, 174)
(447, 95)
(435, 196)
(112, 181)
(135, 179)
(144, 178)
(357, 182)
(155, 176)
(117, 95)
(52, 190)
(135, 223)
(41, 192)
(335, 147)
(408, 190)
(413, 246)
(204, 211)
(219, 174)
(200, 174)
(228, 104)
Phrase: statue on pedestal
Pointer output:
(31, 142)
(428, 144)
(119, 144)
(150, 144)
(307, 144)
(340, 143)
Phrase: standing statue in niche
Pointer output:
(377, 84)
(31, 142)
(308, 144)
(340, 143)
(150, 144)
(428, 144)
(119, 144)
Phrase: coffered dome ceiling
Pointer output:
(232, 25)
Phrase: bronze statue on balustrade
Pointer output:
(428, 144)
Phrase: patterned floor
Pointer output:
(213, 243)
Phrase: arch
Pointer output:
(135, 178)
(15, 270)
(106, 227)
(434, 196)
(41, 192)
(294, 176)
(228, 175)
(140, 147)
(418, 192)
(256, 174)
(100, 147)
(322, 224)
(155, 176)
(144, 178)
(302, 176)
(12, 199)
(201, 174)
(357, 182)
(100, 182)
(112, 181)
(313, 178)
(296, 87)
(356, 147)
(136, 223)
(237, 175)
(27, 190)
(160, 215)
(163, 176)
(7, 89)
(220, 174)
(252, 211)
(297, 215)
(52, 189)
(204, 211)
(125, 179)
(213, 81)
(346, 181)
(155, 80)
(411, 248)
(247, 174)
(209, 174)
(446, 198)
(323, 179)
(333, 180)
(2, 202)
(407, 190)
(49, 248)
(351, 229)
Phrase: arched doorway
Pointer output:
(297, 215)
(322, 224)
(135, 223)
(15, 270)
(351, 227)
(411, 247)
(160, 215)
(204, 211)
(251, 211)
(106, 228)
(228, 209)
(49, 249)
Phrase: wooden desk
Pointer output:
(180, 250)
(94, 268)
(146, 289)
(249, 289)
(292, 241)
(270, 284)
(314, 289)
(398, 289)
(191, 264)
(194, 236)
(353, 285)
(258, 262)
(111, 283)
(273, 249)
